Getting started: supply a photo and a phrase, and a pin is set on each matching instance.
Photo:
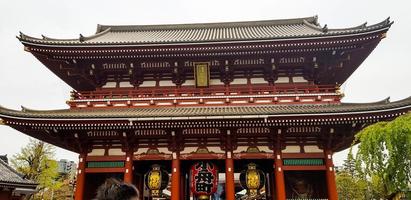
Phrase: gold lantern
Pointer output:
(156, 180)
(252, 179)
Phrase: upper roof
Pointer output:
(208, 32)
(10, 177)
(209, 112)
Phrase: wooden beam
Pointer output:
(106, 170)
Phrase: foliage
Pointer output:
(384, 155)
(349, 165)
(350, 187)
(35, 162)
(66, 189)
(63, 190)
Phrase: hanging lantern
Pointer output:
(156, 180)
(204, 179)
(252, 179)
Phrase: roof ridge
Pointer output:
(307, 27)
(100, 27)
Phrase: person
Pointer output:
(113, 189)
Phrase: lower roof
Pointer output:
(11, 178)
(208, 112)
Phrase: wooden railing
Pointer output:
(189, 91)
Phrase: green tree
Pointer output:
(350, 186)
(35, 162)
(349, 165)
(384, 155)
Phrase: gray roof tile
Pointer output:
(9, 176)
(272, 110)
(208, 32)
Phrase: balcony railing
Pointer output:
(186, 91)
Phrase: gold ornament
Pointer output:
(203, 197)
(252, 179)
(154, 181)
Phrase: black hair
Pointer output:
(113, 189)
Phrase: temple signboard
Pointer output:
(202, 74)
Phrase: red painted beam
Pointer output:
(105, 170)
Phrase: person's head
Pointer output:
(113, 189)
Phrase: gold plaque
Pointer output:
(202, 74)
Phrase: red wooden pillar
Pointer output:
(175, 177)
(279, 176)
(229, 177)
(81, 177)
(272, 185)
(330, 176)
(128, 173)
(141, 186)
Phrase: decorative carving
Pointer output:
(259, 61)
(102, 134)
(291, 60)
(154, 64)
(304, 129)
(151, 151)
(114, 66)
(202, 150)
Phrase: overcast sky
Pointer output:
(25, 81)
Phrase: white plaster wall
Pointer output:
(110, 85)
(116, 152)
(96, 152)
(312, 149)
(291, 149)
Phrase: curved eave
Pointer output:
(260, 112)
(326, 34)
(19, 184)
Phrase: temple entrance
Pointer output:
(186, 180)
(143, 182)
(305, 184)
(264, 188)
(94, 180)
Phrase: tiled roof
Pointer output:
(208, 32)
(10, 177)
(212, 111)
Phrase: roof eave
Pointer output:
(124, 44)
(102, 30)
(404, 104)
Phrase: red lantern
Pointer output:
(204, 179)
